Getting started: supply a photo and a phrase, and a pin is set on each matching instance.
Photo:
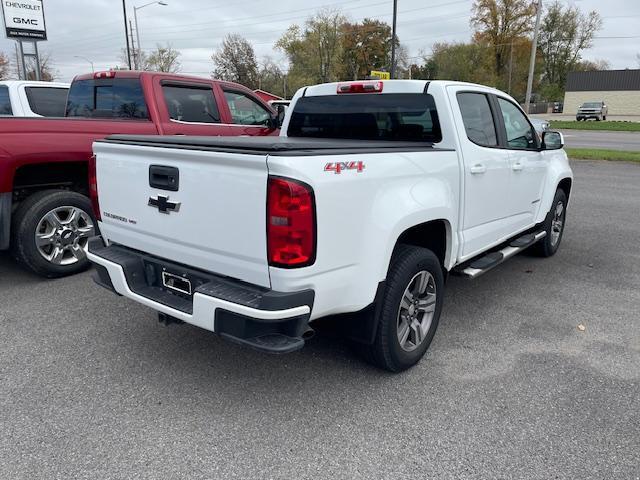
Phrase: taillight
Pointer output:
(93, 188)
(360, 87)
(291, 223)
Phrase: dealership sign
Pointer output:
(24, 19)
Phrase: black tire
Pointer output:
(547, 246)
(386, 351)
(604, 117)
(26, 220)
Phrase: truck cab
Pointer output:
(20, 98)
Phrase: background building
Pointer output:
(619, 89)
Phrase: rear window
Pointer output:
(107, 98)
(5, 101)
(393, 116)
(47, 101)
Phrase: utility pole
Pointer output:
(532, 62)
(136, 52)
(393, 40)
(126, 32)
(510, 67)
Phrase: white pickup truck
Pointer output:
(22, 98)
(372, 194)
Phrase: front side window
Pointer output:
(47, 101)
(108, 98)
(5, 101)
(520, 133)
(391, 116)
(477, 119)
(245, 110)
(191, 103)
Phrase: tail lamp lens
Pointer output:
(93, 188)
(291, 231)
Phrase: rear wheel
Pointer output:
(554, 226)
(411, 306)
(50, 232)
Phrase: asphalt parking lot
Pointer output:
(91, 386)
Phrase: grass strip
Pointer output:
(593, 125)
(598, 154)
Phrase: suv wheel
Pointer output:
(410, 310)
(554, 226)
(50, 232)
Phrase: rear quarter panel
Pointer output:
(360, 216)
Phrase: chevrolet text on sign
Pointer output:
(24, 19)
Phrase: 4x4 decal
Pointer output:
(338, 167)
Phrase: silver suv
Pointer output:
(597, 110)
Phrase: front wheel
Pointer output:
(410, 311)
(50, 232)
(554, 226)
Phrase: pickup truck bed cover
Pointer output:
(277, 146)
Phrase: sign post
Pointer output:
(24, 22)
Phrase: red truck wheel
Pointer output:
(50, 231)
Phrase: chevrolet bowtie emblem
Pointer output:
(163, 204)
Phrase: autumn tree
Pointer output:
(164, 59)
(498, 24)
(466, 62)
(366, 46)
(235, 61)
(565, 33)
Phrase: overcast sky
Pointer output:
(94, 28)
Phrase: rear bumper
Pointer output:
(260, 318)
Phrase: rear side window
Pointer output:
(47, 101)
(191, 104)
(245, 110)
(5, 101)
(477, 119)
(107, 98)
(393, 116)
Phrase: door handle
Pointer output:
(517, 167)
(478, 168)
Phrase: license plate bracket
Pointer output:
(177, 283)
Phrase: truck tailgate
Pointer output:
(212, 216)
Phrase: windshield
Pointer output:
(393, 116)
(591, 105)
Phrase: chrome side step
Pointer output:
(486, 262)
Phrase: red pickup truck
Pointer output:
(45, 214)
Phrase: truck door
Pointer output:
(486, 205)
(528, 164)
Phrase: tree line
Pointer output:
(329, 47)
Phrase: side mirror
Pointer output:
(276, 122)
(552, 140)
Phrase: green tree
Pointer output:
(565, 33)
(466, 62)
(164, 59)
(498, 24)
(315, 52)
(235, 61)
